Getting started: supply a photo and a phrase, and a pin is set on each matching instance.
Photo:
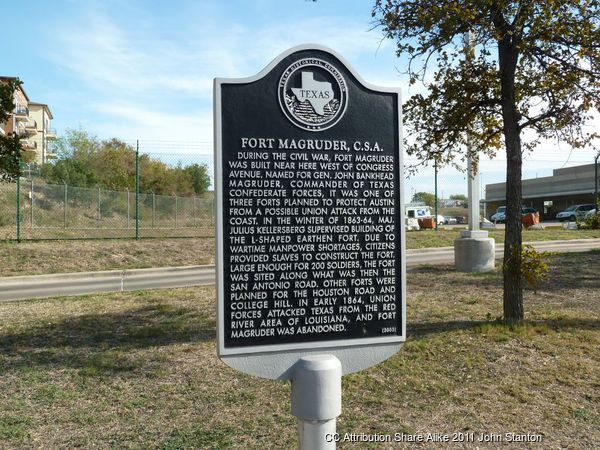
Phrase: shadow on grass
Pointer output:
(420, 330)
(567, 271)
(104, 342)
(446, 275)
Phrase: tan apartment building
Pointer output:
(41, 115)
(31, 121)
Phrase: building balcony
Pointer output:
(50, 133)
(21, 113)
(28, 128)
(28, 146)
(21, 132)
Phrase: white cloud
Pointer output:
(145, 81)
(132, 122)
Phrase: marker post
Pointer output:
(317, 400)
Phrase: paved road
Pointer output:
(39, 286)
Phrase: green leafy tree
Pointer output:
(10, 144)
(537, 68)
(73, 166)
(84, 161)
(460, 198)
(424, 197)
(114, 165)
(198, 174)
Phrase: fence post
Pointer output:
(137, 190)
(176, 211)
(66, 199)
(194, 211)
(31, 202)
(99, 211)
(19, 204)
(127, 208)
(153, 208)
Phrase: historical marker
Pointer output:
(310, 239)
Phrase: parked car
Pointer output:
(575, 212)
(441, 220)
(500, 216)
(591, 213)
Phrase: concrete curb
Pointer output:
(64, 284)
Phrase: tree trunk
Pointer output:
(513, 284)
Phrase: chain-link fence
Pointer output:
(8, 202)
(47, 211)
(134, 194)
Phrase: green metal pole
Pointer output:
(596, 181)
(128, 208)
(175, 211)
(153, 208)
(436, 193)
(194, 211)
(99, 210)
(19, 204)
(66, 201)
(137, 190)
(31, 202)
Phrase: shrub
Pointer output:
(534, 265)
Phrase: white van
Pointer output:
(417, 212)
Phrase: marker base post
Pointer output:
(317, 400)
(474, 252)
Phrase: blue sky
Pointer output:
(143, 69)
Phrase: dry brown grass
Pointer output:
(139, 370)
(39, 257)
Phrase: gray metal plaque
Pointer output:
(309, 198)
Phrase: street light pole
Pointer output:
(436, 193)
(596, 179)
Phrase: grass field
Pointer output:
(29, 258)
(445, 238)
(39, 257)
(139, 370)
